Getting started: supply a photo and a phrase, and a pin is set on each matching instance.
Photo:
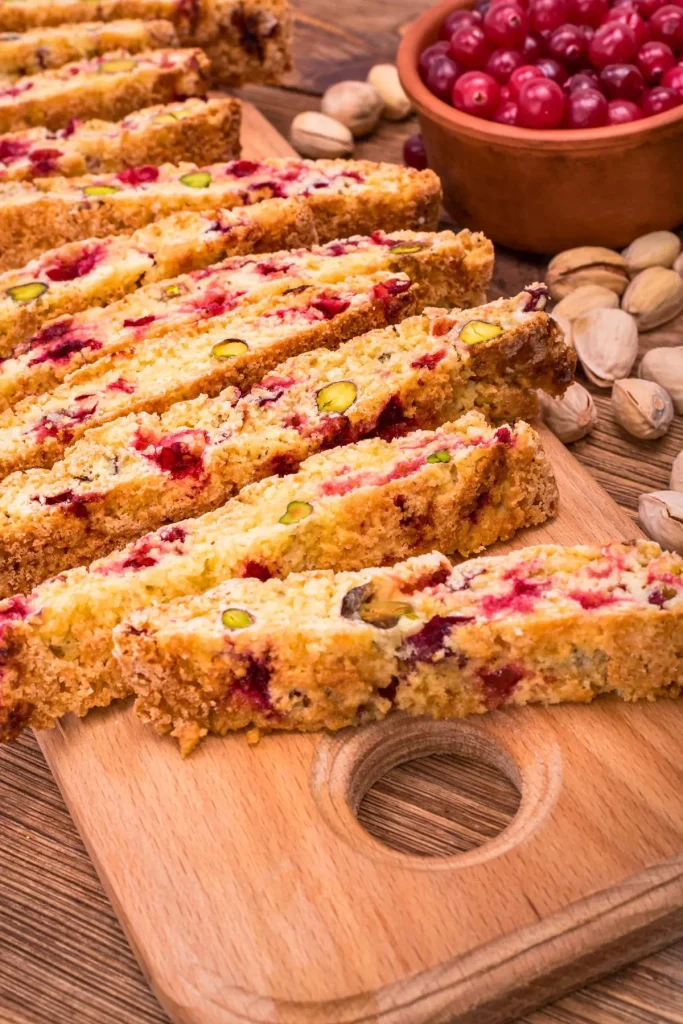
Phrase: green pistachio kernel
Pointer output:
(337, 397)
(477, 331)
(441, 456)
(296, 511)
(26, 292)
(229, 348)
(406, 248)
(197, 179)
(172, 290)
(384, 614)
(236, 618)
(116, 67)
(99, 190)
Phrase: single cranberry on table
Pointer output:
(541, 104)
(506, 113)
(613, 43)
(654, 59)
(458, 19)
(622, 82)
(553, 70)
(587, 12)
(666, 25)
(505, 25)
(414, 153)
(476, 93)
(587, 79)
(625, 14)
(502, 63)
(470, 47)
(660, 99)
(532, 49)
(623, 112)
(441, 77)
(547, 15)
(524, 74)
(673, 79)
(428, 56)
(586, 108)
(568, 45)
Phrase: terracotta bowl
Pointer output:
(544, 191)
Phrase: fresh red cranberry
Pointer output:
(587, 79)
(623, 112)
(659, 99)
(505, 25)
(553, 70)
(673, 79)
(666, 25)
(568, 45)
(470, 47)
(505, 94)
(622, 82)
(586, 108)
(482, 6)
(646, 8)
(532, 49)
(627, 15)
(613, 43)
(588, 12)
(518, 78)
(456, 20)
(442, 76)
(428, 56)
(502, 63)
(414, 153)
(547, 15)
(506, 113)
(541, 104)
(654, 60)
(476, 93)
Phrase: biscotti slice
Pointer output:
(42, 49)
(347, 197)
(438, 264)
(542, 625)
(460, 487)
(139, 472)
(98, 271)
(192, 129)
(112, 86)
(239, 350)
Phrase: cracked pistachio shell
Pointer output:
(584, 299)
(586, 265)
(642, 408)
(656, 249)
(665, 367)
(606, 342)
(677, 473)
(653, 297)
(571, 416)
(358, 105)
(661, 514)
(317, 135)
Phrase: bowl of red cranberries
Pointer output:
(551, 123)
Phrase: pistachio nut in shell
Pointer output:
(669, 335)
(587, 264)
(665, 367)
(606, 342)
(571, 416)
(566, 326)
(358, 105)
(661, 514)
(656, 249)
(678, 264)
(584, 299)
(653, 297)
(642, 408)
(677, 473)
(317, 135)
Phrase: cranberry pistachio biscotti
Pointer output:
(347, 197)
(42, 49)
(541, 625)
(98, 271)
(461, 487)
(109, 86)
(446, 269)
(192, 129)
(139, 472)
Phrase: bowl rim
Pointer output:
(424, 30)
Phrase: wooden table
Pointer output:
(63, 957)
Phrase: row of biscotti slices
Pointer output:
(540, 625)
(112, 86)
(192, 129)
(232, 334)
(245, 40)
(138, 472)
(446, 269)
(346, 197)
(458, 488)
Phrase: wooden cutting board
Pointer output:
(252, 895)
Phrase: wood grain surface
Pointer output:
(63, 957)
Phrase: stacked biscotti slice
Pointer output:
(458, 488)
(540, 625)
(141, 471)
(246, 40)
(192, 129)
(230, 325)
(346, 197)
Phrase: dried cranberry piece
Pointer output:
(256, 570)
(253, 686)
(392, 422)
(142, 321)
(387, 289)
(62, 351)
(139, 175)
(429, 641)
(243, 168)
(44, 161)
(591, 599)
(13, 149)
(173, 534)
(14, 608)
(330, 306)
(429, 360)
(499, 683)
(69, 270)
